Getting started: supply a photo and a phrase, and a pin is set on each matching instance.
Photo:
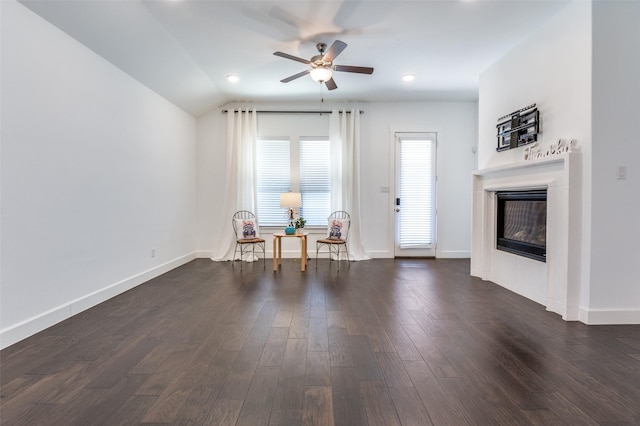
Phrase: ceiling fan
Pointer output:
(322, 66)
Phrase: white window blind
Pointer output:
(315, 181)
(417, 178)
(273, 178)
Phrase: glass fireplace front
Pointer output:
(522, 223)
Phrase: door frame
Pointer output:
(395, 251)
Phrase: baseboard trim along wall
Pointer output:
(454, 254)
(295, 254)
(374, 254)
(609, 316)
(31, 326)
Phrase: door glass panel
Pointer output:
(416, 193)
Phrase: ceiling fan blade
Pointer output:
(349, 68)
(293, 77)
(293, 58)
(336, 48)
(331, 84)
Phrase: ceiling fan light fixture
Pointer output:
(409, 77)
(322, 67)
(321, 74)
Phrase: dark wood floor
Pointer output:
(384, 342)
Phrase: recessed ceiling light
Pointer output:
(409, 77)
(233, 78)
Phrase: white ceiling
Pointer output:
(184, 50)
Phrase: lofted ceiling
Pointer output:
(184, 50)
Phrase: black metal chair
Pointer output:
(336, 239)
(248, 235)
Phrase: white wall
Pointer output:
(211, 157)
(615, 233)
(456, 124)
(581, 69)
(552, 70)
(96, 171)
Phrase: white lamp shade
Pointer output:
(321, 74)
(290, 200)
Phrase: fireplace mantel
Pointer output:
(554, 284)
(523, 165)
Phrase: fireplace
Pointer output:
(555, 280)
(521, 223)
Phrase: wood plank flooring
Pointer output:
(383, 342)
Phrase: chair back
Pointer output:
(242, 214)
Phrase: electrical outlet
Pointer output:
(153, 252)
(622, 172)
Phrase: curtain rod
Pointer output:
(224, 111)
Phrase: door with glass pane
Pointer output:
(415, 195)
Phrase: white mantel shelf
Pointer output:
(523, 165)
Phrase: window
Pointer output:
(300, 165)
(315, 181)
(273, 178)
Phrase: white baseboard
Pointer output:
(454, 254)
(286, 254)
(37, 323)
(204, 254)
(609, 316)
(374, 254)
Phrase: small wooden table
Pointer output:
(277, 249)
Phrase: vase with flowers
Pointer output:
(299, 224)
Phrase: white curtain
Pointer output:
(345, 174)
(240, 179)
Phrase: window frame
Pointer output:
(294, 175)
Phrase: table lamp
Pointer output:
(291, 201)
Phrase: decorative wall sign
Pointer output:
(563, 146)
(518, 128)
